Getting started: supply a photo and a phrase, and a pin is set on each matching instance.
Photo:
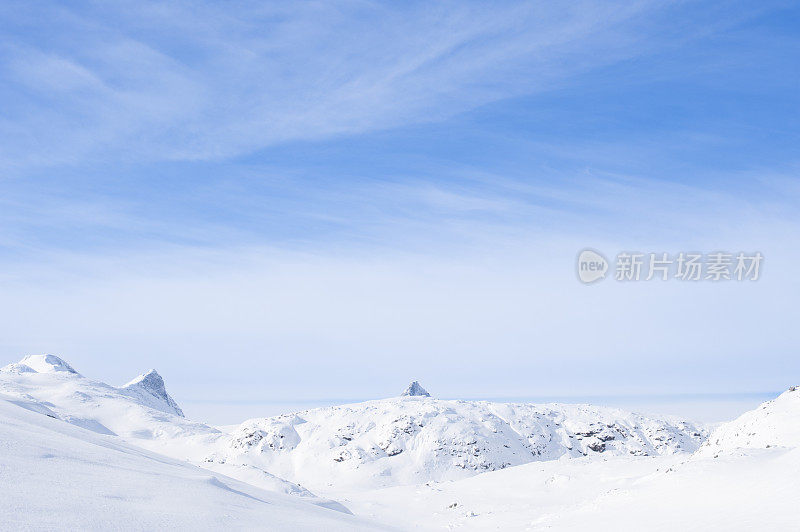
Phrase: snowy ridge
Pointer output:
(39, 364)
(61, 477)
(149, 389)
(775, 423)
(141, 412)
(400, 441)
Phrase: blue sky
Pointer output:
(330, 199)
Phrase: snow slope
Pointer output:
(746, 478)
(409, 440)
(775, 423)
(141, 412)
(135, 410)
(662, 493)
(54, 475)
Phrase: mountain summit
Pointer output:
(149, 386)
(415, 390)
(40, 364)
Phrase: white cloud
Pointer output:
(186, 81)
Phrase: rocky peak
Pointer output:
(415, 390)
(152, 385)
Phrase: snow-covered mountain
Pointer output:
(142, 409)
(71, 441)
(744, 478)
(414, 439)
(775, 423)
(141, 412)
(56, 476)
(402, 440)
(149, 389)
(39, 364)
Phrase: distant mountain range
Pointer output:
(58, 427)
(407, 439)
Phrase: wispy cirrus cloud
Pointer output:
(206, 81)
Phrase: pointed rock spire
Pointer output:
(152, 385)
(415, 390)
